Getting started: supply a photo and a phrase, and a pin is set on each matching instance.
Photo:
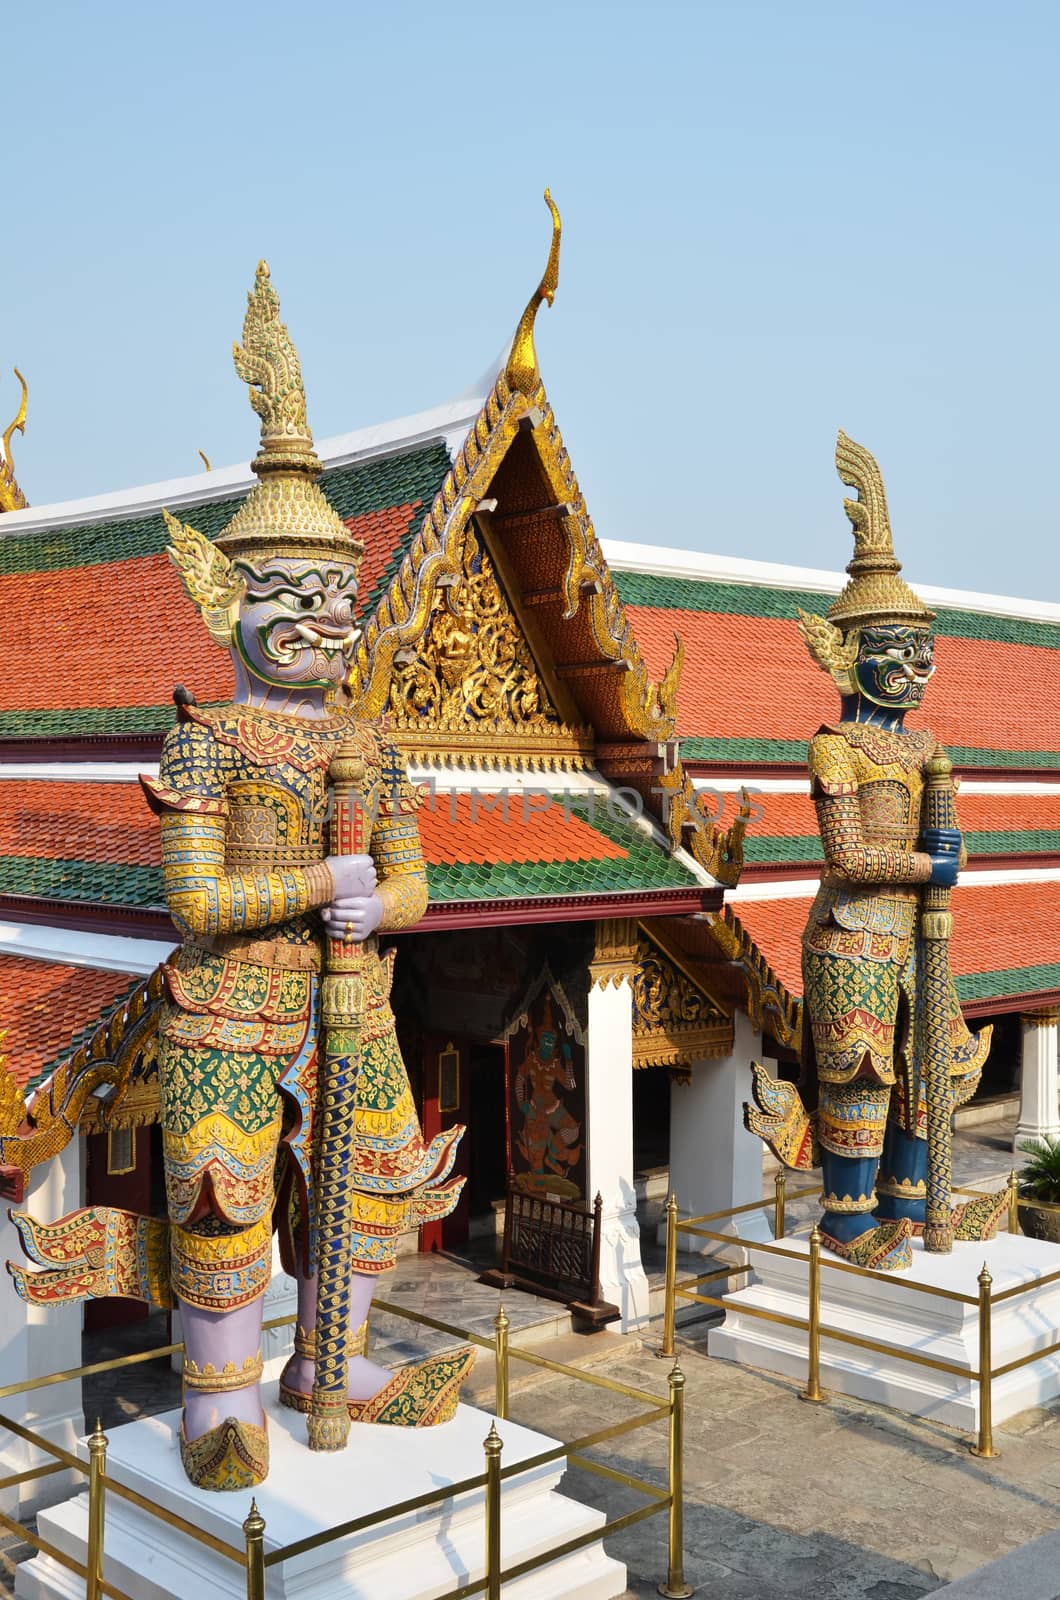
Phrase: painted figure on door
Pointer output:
(243, 799)
(864, 1117)
(546, 1136)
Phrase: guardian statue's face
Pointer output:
(893, 665)
(295, 626)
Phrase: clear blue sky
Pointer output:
(778, 219)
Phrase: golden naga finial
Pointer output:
(204, 458)
(268, 362)
(11, 496)
(522, 371)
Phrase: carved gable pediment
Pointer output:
(472, 691)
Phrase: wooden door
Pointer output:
(445, 1102)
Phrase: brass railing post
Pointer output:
(779, 1184)
(984, 1445)
(501, 1325)
(254, 1537)
(1013, 1202)
(670, 1301)
(97, 1466)
(493, 1446)
(675, 1587)
(812, 1390)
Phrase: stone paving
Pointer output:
(840, 1501)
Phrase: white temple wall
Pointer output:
(714, 1162)
(609, 1116)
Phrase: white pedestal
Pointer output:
(415, 1556)
(895, 1313)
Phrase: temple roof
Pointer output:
(999, 820)
(1005, 946)
(95, 844)
(48, 1009)
(120, 610)
(750, 695)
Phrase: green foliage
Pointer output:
(1039, 1179)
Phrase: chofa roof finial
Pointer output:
(11, 496)
(522, 371)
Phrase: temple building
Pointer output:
(611, 744)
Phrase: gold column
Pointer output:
(670, 1304)
(812, 1390)
(493, 1447)
(97, 1466)
(254, 1537)
(675, 1587)
(501, 1326)
(984, 1445)
(780, 1187)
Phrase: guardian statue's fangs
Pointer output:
(880, 1024)
(284, 1102)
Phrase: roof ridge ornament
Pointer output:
(11, 496)
(522, 370)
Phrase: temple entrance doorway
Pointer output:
(487, 1137)
(463, 1081)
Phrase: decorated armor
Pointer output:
(875, 1021)
(273, 1116)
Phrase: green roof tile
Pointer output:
(407, 475)
(760, 600)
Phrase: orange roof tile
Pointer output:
(47, 1009)
(460, 827)
(999, 932)
(752, 678)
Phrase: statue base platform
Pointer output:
(412, 1556)
(897, 1312)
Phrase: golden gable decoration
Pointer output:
(472, 692)
(675, 1021)
(771, 1006)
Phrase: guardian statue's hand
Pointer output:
(943, 845)
(354, 918)
(352, 875)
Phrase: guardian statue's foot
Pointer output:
(976, 1219)
(885, 1248)
(234, 1455)
(420, 1396)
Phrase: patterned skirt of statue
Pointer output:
(861, 993)
(237, 1075)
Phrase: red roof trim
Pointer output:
(696, 767)
(570, 908)
(136, 922)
